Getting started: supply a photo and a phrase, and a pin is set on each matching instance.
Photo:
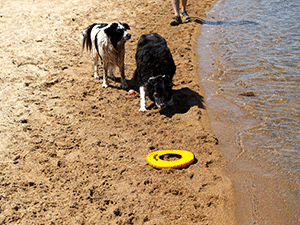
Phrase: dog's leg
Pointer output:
(143, 99)
(104, 85)
(112, 75)
(123, 79)
(96, 58)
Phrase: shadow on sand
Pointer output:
(184, 99)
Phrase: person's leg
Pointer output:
(183, 11)
(175, 4)
(183, 7)
(177, 19)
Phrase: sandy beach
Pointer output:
(72, 152)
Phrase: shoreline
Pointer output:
(73, 152)
(264, 193)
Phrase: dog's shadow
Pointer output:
(184, 99)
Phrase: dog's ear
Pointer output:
(110, 30)
(151, 81)
(126, 26)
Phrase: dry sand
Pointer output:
(72, 152)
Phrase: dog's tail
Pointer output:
(86, 41)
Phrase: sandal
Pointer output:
(176, 21)
(185, 16)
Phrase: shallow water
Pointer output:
(250, 52)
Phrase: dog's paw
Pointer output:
(142, 110)
(96, 76)
(112, 77)
(104, 85)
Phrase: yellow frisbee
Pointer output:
(154, 159)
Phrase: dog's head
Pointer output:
(159, 89)
(117, 32)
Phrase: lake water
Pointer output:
(249, 54)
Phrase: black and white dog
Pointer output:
(107, 41)
(155, 70)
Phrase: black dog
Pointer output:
(155, 70)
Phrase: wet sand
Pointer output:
(72, 152)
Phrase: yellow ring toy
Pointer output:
(154, 159)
